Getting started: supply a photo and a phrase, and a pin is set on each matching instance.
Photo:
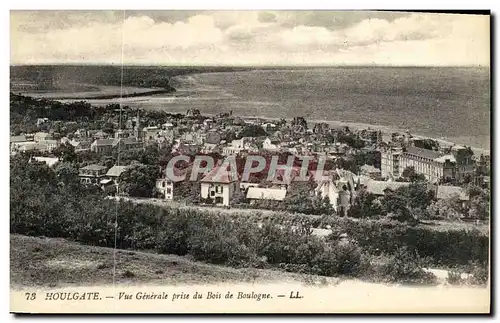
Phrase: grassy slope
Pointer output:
(49, 262)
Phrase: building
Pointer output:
(390, 163)
(127, 143)
(47, 145)
(115, 172)
(338, 189)
(39, 136)
(16, 142)
(465, 165)
(218, 186)
(150, 133)
(92, 174)
(271, 144)
(106, 146)
(166, 185)
(261, 193)
(102, 146)
(432, 164)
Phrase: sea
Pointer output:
(448, 103)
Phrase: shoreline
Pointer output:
(97, 96)
(365, 126)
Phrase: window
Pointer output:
(169, 190)
(212, 193)
(162, 184)
(218, 189)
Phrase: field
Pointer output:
(51, 262)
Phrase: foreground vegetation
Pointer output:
(46, 203)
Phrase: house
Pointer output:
(41, 121)
(269, 127)
(261, 193)
(16, 142)
(271, 144)
(166, 185)
(338, 190)
(81, 133)
(218, 186)
(39, 136)
(208, 123)
(47, 145)
(150, 133)
(102, 146)
(99, 135)
(23, 147)
(127, 143)
(321, 128)
(210, 148)
(115, 172)
(92, 174)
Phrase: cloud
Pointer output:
(249, 37)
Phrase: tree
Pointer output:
(140, 180)
(252, 130)
(67, 174)
(188, 191)
(363, 205)
(409, 174)
(65, 152)
(479, 204)
(408, 204)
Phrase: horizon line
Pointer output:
(243, 65)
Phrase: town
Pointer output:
(125, 152)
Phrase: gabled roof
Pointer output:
(219, 175)
(275, 194)
(116, 170)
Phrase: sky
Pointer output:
(249, 38)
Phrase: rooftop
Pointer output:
(17, 138)
(275, 194)
(94, 167)
(219, 175)
(116, 170)
(425, 153)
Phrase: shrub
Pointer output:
(454, 278)
(405, 266)
(339, 259)
(479, 275)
